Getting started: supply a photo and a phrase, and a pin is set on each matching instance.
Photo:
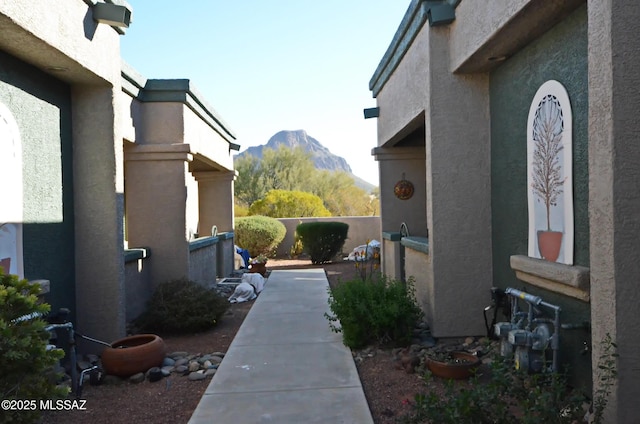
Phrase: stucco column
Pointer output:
(458, 146)
(614, 198)
(98, 208)
(156, 180)
(215, 192)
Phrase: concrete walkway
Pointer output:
(285, 365)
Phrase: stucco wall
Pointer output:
(137, 283)
(418, 268)
(48, 230)
(394, 163)
(614, 131)
(361, 229)
(561, 54)
(405, 95)
(203, 260)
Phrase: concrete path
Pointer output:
(285, 365)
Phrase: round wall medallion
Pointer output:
(403, 189)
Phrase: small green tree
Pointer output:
(26, 366)
(289, 204)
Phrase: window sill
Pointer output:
(569, 280)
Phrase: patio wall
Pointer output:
(203, 260)
(361, 229)
(137, 281)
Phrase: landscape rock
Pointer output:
(137, 378)
(154, 374)
(195, 376)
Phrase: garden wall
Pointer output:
(361, 229)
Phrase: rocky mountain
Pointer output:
(321, 156)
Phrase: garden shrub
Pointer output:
(182, 306)
(289, 204)
(26, 367)
(260, 235)
(374, 311)
(509, 396)
(322, 240)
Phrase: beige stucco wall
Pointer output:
(418, 267)
(391, 260)
(454, 180)
(494, 28)
(614, 130)
(361, 229)
(404, 97)
(394, 163)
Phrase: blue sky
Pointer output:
(266, 66)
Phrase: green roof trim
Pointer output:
(175, 90)
(414, 19)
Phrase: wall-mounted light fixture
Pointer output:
(440, 13)
(112, 14)
(373, 112)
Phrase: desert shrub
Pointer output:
(259, 234)
(322, 240)
(374, 311)
(26, 367)
(289, 204)
(180, 306)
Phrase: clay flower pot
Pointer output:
(549, 243)
(460, 366)
(132, 355)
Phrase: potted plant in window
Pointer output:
(259, 264)
(547, 179)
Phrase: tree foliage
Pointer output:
(293, 170)
(284, 204)
(26, 365)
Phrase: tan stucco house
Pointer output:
(454, 95)
(115, 183)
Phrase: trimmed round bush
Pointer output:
(182, 305)
(322, 240)
(260, 235)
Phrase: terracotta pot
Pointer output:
(455, 370)
(549, 243)
(132, 355)
(260, 268)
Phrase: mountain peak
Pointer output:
(321, 156)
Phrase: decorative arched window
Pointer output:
(549, 174)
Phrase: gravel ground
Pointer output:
(173, 399)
